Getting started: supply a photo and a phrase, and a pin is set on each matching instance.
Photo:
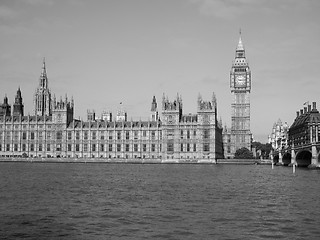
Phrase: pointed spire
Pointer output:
(18, 95)
(164, 100)
(214, 100)
(44, 71)
(5, 100)
(154, 104)
(199, 102)
(43, 81)
(240, 46)
(154, 99)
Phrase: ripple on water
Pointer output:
(111, 201)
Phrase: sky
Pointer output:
(106, 52)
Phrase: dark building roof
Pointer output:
(306, 117)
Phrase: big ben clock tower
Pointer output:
(240, 84)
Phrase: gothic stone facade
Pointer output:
(188, 137)
(53, 132)
(193, 136)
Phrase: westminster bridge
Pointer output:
(303, 140)
(302, 156)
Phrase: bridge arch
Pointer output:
(303, 158)
(286, 159)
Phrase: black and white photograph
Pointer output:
(159, 119)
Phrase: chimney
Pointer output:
(297, 113)
(305, 110)
(309, 108)
(301, 111)
(314, 106)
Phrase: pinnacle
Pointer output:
(240, 45)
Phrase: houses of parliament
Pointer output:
(52, 130)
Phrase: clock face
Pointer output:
(240, 81)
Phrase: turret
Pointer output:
(172, 111)
(154, 110)
(106, 116)
(207, 110)
(214, 101)
(42, 96)
(121, 114)
(18, 107)
(5, 108)
(5, 100)
(91, 115)
(63, 111)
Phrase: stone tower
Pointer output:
(5, 108)
(171, 111)
(18, 105)
(42, 96)
(91, 115)
(122, 115)
(154, 110)
(207, 125)
(240, 85)
(62, 112)
(171, 117)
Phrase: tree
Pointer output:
(265, 148)
(243, 153)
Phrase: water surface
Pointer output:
(157, 201)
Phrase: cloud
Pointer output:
(27, 17)
(181, 43)
(39, 2)
(231, 9)
(208, 80)
(7, 13)
(225, 8)
(13, 9)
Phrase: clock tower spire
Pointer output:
(240, 85)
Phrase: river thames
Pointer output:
(157, 201)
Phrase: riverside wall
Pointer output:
(137, 160)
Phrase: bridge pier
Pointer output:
(314, 159)
(293, 157)
(280, 158)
